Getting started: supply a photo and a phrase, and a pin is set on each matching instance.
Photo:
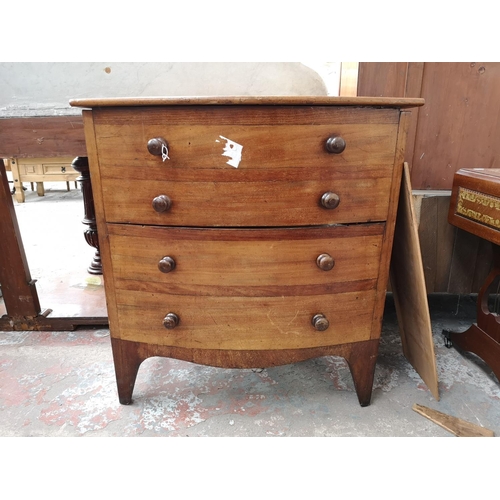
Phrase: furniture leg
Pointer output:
(40, 189)
(361, 358)
(127, 357)
(16, 179)
(483, 337)
(81, 165)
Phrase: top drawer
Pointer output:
(202, 138)
(214, 157)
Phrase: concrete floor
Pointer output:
(62, 383)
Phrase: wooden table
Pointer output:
(475, 208)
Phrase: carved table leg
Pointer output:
(81, 165)
(483, 338)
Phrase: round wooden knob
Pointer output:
(155, 146)
(335, 145)
(325, 262)
(170, 321)
(320, 322)
(166, 264)
(162, 203)
(330, 200)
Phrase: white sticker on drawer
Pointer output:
(233, 150)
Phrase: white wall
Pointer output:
(44, 89)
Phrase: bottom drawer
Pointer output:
(245, 323)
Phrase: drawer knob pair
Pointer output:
(335, 144)
(319, 321)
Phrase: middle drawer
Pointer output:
(246, 262)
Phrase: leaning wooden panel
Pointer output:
(410, 296)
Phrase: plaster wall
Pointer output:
(45, 88)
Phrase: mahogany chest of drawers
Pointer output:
(245, 232)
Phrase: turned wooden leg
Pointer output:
(361, 358)
(127, 357)
(81, 165)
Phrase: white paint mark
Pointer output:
(422, 155)
(164, 152)
(233, 150)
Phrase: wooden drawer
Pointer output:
(259, 262)
(241, 323)
(46, 169)
(239, 198)
(270, 137)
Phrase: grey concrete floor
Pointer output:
(62, 383)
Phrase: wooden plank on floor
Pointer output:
(410, 297)
(456, 426)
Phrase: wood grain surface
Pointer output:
(245, 262)
(244, 322)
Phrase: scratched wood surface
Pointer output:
(246, 262)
